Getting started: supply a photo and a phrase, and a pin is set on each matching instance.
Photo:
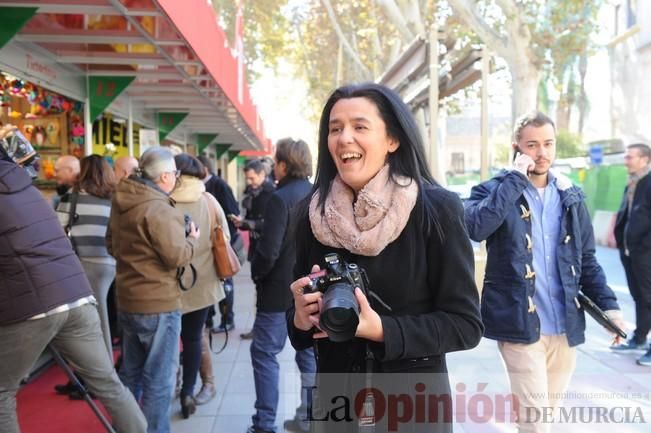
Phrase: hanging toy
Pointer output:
(39, 135)
(77, 132)
(28, 131)
(52, 131)
(31, 96)
(48, 169)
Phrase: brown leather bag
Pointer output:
(225, 258)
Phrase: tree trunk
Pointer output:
(582, 103)
(524, 77)
(562, 113)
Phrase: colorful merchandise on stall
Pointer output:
(51, 122)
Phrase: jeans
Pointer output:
(269, 336)
(192, 325)
(226, 304)
(150, 351)
(77, 335)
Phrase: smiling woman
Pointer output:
(358, 141)
(377, 208)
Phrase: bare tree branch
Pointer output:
(394, 14)
(520, 40)
(413, 15)
(467, 10)
(340, 34)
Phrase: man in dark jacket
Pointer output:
(258, 192)
(540, 254)
(45, 298)
(272, 269)
(216, 186)
(633, 235)
(256, 195)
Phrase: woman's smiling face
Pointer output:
(358, 141)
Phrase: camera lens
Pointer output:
(340, 315)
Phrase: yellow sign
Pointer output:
(106, 130)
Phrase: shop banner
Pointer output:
(221, 149)
(167, 122)
(148, 138)
(232, 154)
(102, 90)
(204, 140)
(13, 19)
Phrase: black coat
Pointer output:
(224, 195)
(39, 271)
(634, 230)
(427, 281)
(253, 221)
(273, 261)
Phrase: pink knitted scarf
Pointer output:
(367, 225)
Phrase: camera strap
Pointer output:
(179, 277)
(73, 217)
(366, 420)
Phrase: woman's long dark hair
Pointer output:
(189, 165)
(408, 160)
(96, 177)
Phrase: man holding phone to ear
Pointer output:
(541, 249)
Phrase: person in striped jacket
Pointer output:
(84, 213)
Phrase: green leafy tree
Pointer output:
(568, 145)
(336, 41)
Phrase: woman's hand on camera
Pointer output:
(370, 324)
(306, 305)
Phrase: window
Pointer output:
(631, 13)
(458, 166)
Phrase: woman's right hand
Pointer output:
(306, 305)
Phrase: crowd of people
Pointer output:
(368, 270)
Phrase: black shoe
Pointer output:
(188, 406)
(78, 395)
(65, 389)
(294, 425)
(246, 335)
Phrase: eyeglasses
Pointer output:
(176, 173)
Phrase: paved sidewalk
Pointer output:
(602, 378)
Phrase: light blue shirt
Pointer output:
(546, 215)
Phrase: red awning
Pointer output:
(175, 49)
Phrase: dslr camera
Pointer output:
(337, 282)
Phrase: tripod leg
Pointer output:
(84, 391)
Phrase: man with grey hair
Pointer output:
(150, 242)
